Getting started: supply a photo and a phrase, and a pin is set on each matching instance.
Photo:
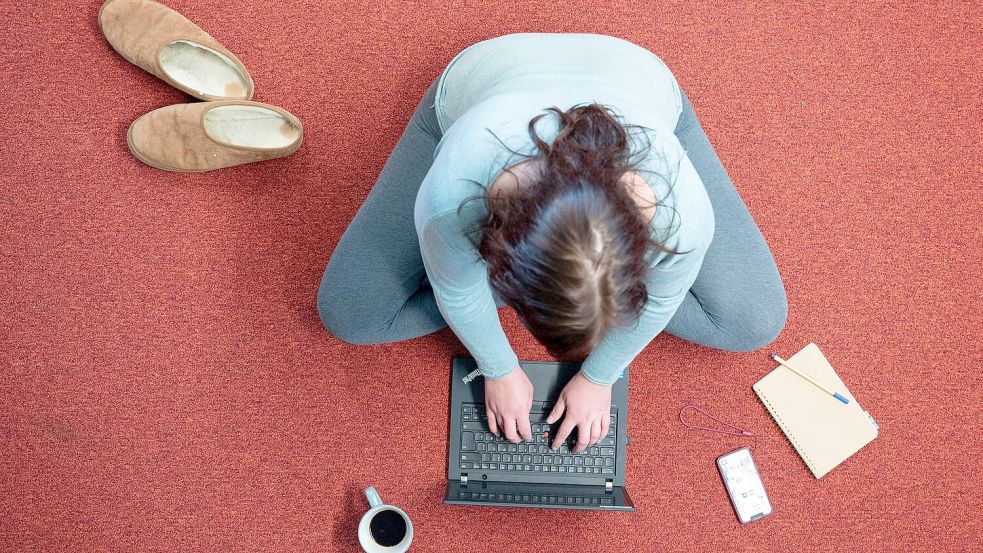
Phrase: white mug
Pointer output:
(392, 533)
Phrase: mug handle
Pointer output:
(373, 497)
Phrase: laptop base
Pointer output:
(548, 496)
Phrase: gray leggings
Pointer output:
(375, 288)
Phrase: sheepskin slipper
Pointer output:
(203, 136)
(168, 45)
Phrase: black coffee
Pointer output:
(388, 527)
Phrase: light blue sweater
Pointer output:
(497, 86)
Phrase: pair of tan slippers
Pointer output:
(227, 128)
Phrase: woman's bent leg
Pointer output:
(374, 289)
(738, 302)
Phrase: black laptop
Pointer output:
(485, 470)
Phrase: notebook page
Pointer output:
(824, 431)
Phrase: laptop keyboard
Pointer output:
(536, 499)
(481, 450)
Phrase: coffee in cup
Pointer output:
(384, 528)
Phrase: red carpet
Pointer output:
(165, 384)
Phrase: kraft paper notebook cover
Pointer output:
(823, 431)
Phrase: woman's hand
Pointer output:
(507, 403)
(585, 406)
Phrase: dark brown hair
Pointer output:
(570, 250)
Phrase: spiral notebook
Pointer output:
(823, 431)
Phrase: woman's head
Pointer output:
(569, 248)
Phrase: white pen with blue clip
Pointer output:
(803, 375)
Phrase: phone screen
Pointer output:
(744, 485)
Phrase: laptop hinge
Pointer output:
(464, 480)
(608, 485)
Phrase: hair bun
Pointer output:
(590, 141)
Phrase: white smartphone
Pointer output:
(743, 482)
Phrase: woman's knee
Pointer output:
(755, 324)
(341, 317)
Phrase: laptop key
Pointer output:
(609, 462)
(470, 457)
(473, 426)
(467, 441)
(607, 451)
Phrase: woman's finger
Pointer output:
(524, 427)
(557, 411)
(561, 435)
(583, 437)
(595, 431)
(605, 424)
(508, 427)
(492, 423)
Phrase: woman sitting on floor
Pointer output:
(564, 175)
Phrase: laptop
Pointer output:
(485, 470)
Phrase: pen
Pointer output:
(803, 375)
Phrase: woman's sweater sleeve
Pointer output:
(460, 284)
(667, 284)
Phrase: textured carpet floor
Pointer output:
(165, 383)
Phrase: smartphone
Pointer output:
(744, 485)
